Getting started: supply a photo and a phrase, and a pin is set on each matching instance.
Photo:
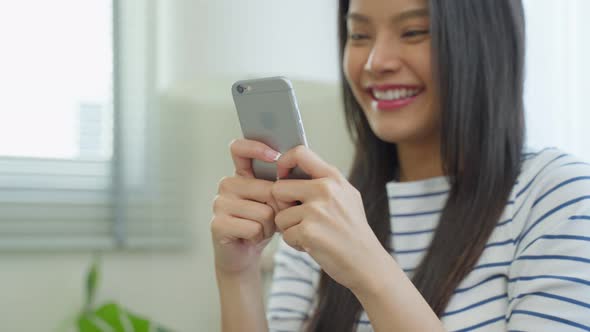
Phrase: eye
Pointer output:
(414, 33)
(357, 36)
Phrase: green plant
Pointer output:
(110, 317)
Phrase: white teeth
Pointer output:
(395, 94)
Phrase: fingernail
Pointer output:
(272, 155)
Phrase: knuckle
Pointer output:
(278, 219)
(324, 186)
(299, 150)
(225, 184)
(314, 207)
(308, 232)
(241, 173)
(267, 212)
(257, 230)
(215, 225)
(233, 144)
(217, 203)
(318, 210)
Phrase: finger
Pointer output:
(288, 191)
(250, 210)
(246, 188)
(226, 229)
(308, 161)
(244, 150)
(289, 217)
(282, 205)
(274, 204)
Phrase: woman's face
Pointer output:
(387, 64)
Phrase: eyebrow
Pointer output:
(421, 12)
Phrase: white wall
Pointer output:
(558, 74)
(240, 38)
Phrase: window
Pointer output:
(79, 163)
(59, 72)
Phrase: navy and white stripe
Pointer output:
(534, 274)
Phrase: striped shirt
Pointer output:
(534, 274)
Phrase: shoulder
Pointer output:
(548, 276)
(552, 188)
(551, 168)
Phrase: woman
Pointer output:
(444, 223)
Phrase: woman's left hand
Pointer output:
(330, 224)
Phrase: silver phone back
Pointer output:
(268, 112)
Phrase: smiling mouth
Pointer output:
(393, 94)
(393, 97)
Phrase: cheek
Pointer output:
(352, 65)
(353, 69)
(424, 65)
(420, 62)
(432, 102)
(427, 74)
(431, 85)
(346, 65)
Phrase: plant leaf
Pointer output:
(89, 322)
(91, 283)
(113, 317)
(110, 313)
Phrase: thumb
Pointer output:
(278, 205)
(285, 205)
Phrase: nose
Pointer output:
(384, 58)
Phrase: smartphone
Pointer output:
(268, 113)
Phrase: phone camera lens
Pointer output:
(240, 89)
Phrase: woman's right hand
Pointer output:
(243, 211)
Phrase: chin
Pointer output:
(391, 139)
(403, 130)
(393, 135)
(401, 134)
(392, 132)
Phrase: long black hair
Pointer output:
(478, 64)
